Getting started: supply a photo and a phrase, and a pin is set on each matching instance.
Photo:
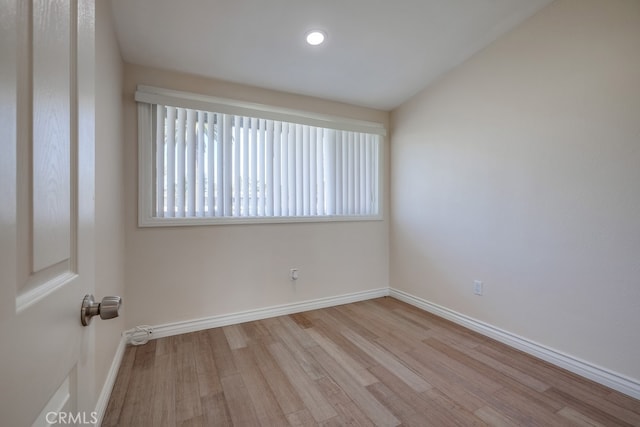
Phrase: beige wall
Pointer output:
(186, 273)
(521, 168)
(109, 232)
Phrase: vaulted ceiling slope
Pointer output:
(378, 53)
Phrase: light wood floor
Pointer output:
(378, 362)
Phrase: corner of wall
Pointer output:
(109, 200)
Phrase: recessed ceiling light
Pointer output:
(315, 37)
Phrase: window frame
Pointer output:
(148, 96)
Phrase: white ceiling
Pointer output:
(378, 53)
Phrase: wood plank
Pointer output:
(313, 399)
(495, 375)
(297, 349)
(473, 379)
(455, 411)
(348, 412)
(164, 399)
(494, 418)
(607, 407)
(239, 401)
(439, 324)
(523, 410)
(264, 402)
(339, 319)
(301, 418)
(166, 345)
(552, 375)
(257, 331)
(356, 370)
(295, 331)
(420, 330)
(624, 401)
(415, 400)
(389, 342)
(207, 373)
(387, 360)
(376, 412)
(285, 394)
(442, 328)
(578, 418)
(429, 406)
(446, 381)
(302, 320)
(398, 407)
(187, 393)
(136, 409)
(193, 422)
(333, 331)
(333, 422)
(516, 374)
(215, 410)
(222, 356)
(120, 388)
(403, 340)
(235, 336)
(610, 416)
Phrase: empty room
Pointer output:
(297, 213)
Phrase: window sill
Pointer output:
(206, 221)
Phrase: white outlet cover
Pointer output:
(477, 287)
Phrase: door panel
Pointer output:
(51, 133)
(60, 402)
(46, 214)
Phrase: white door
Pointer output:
(46, 210)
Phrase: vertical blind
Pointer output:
(209, 164)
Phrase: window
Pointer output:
(205, 160)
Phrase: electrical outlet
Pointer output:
(477, 287)
(293, 274)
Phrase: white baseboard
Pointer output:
(176, 328)
(105, 393)
(623, 384)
